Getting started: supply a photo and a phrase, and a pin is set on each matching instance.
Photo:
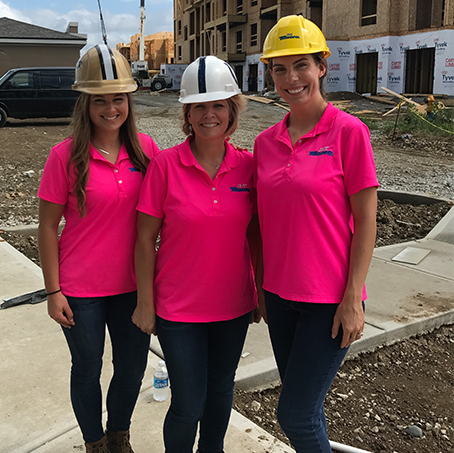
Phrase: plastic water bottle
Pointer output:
(161, 382)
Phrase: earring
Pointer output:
(190, 129)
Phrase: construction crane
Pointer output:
(103, 28)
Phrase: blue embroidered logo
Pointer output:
(288, 36)
(321, 152)
(240, 188)
(133, 169)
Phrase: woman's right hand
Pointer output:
(59, 310)
(145, 319)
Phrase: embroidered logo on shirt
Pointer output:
(133, 169)
(240, 188)
(321, 152)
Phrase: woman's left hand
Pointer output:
(349, 315)
(256, 316)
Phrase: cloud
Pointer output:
(119, 26)
(7, 11)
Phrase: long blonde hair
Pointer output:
(79, 162)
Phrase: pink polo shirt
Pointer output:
(203, 267)
(303, 203)
(96, 251)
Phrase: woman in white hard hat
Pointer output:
(199, 195)
(316, 186)
(93, 179)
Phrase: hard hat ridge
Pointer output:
(107, 62)
(208, 79)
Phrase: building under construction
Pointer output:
(154, 50)
(405, 45)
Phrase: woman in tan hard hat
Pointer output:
(316, 185)
(93, 179)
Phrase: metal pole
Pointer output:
(346, 448)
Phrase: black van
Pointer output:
(37, 93)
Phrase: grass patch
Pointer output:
(439, 123)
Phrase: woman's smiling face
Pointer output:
(297, 77)
(209, 119)
(108, 111)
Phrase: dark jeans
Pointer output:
(129, 356)
(308, 360)
(201, 360)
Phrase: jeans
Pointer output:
(129, 356)
(201, 359)
(308, 360)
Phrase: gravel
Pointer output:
(397, 399)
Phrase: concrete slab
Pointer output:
(439, 262)
(35, 411)
(146, 433)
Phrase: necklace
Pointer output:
(105, 152)
(216, 167)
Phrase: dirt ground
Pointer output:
(376, 395)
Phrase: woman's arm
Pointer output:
(49, 219)
(148, 228)
(350, 313)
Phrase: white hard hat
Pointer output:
(208, 79)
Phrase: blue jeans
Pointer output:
(308, 360)
(201, 360)
(129, 356)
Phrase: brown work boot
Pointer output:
(97, 447)
(118, 442)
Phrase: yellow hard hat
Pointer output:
(294, 35)
(103, 70)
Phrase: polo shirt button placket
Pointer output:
(215, 201)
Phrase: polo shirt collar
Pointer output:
(188, 159)
(324, 125)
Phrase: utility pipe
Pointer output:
(346, 448)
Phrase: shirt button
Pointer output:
(213, 188)
(300, 141)
(288, 165)
(215, 201)
(116, 171)
(119, 182)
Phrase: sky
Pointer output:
(121, 17)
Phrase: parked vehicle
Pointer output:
(37, 93)
(139, 71)
(175, 72)
(161, 81)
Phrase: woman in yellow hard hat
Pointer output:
(93, 179)
(316, 184)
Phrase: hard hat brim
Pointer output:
(105, 88)
(207, 97)
(270, 56)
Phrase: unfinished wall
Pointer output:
(392, 60)
(19, 56)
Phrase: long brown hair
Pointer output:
(79, 162)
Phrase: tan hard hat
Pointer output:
(103, 70)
